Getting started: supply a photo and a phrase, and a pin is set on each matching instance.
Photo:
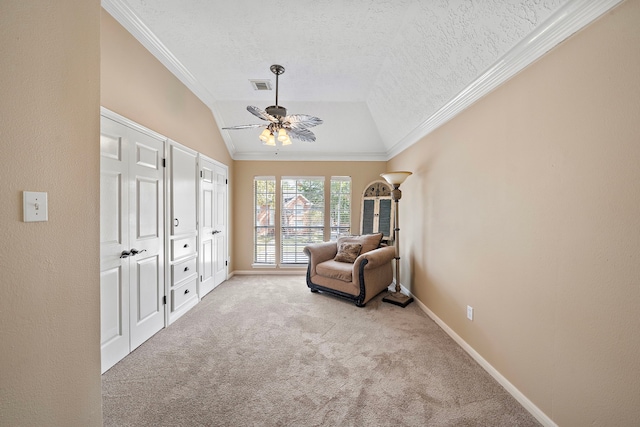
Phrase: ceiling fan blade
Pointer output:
(303, 134)
(245, 126)
(302, 120)
(261, 114)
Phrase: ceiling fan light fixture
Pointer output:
(282, 135)
(271, 141)
(264, 136)
(297, 124)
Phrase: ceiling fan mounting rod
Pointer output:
(277, 70)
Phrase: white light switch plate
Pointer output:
(35, 206)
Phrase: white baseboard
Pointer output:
(274, 272)
(517, 394)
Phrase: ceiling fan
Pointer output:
(281, 126)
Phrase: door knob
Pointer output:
(125, 254)
(135, 252)
(216, 232)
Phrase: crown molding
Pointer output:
(565, 22)
(283, 155)
(122, 13)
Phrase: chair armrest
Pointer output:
(320, 252)
(375, 258)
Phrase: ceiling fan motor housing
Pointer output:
(276, 111)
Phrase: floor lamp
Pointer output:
(395, 179)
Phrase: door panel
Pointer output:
(148, 156)
(220, 225)
(110, 209)
(112, 313)
(213, 225)
(148, 289)
(206, 266)
(147, 236)
(114, 231)
(183, 191)
(131, 217)
(206, 227)
(147, 215)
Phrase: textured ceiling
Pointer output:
(374, 70)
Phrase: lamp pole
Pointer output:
(395, 179)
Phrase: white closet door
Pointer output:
(213, 223)
(146, 237)
(183, 190)
(183, 239)
(207, 230)
(114, 239)
(131, 239)
(220, 225)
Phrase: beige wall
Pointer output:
(134, 84)
(361, 173)
(50, 308)
(527, 207)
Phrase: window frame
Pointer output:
(273, 253)
(270, 256)
(298, 235)
(342, 229)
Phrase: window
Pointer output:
(264, 191)
(302, 216)
(305, 216)
(340, 206)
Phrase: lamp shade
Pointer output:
(282, 135)
(271, 141)
(395, 178)
(264, 136)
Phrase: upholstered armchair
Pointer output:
(354, 267)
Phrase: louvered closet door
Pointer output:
(131, 239)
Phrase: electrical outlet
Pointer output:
(469, 312)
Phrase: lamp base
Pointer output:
(398, 298)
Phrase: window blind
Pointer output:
(264, 191)
(302, 216)
(340, 206)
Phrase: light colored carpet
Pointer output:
(265, 351)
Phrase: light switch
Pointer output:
(35, 206)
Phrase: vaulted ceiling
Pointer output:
(380, 73)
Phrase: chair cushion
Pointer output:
(335, 270)
(369, 242)
(348, 252)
